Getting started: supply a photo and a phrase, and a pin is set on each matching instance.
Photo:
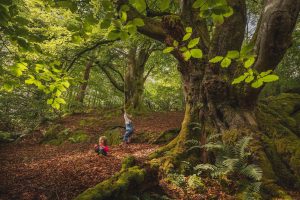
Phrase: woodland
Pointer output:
(212, 88)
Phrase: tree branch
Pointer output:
(116, 71)
(153, 28)
(148, 73)
(274, 36)
(110, 78)
(79, 54)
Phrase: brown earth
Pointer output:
(30, 170)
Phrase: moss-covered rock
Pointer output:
(78, 137)
(120, 186)
(114, 136)
(58, 134)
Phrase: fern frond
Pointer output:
(213, 146)
(194, 147)
(241, 146)
(213, 137)
(192, 142)
(204, 167)
(252, 171)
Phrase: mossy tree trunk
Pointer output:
(212, 102)
(83, 86)
(134, 76)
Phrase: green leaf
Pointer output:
(168, 49)
(217, 19)
(239, 79)
(113, 35)
(138, 22)
(131, 28)
(233, 54)
(123, 16)
(7, 87)
(229, 12)
(183, 49)
(193, 42)
(124, 35)
(256, 84)
(189, 29)
(55, 105)
(262, 74)
(270, 78)
(216, 59)
(164, 4)
(186, 36)
(60, 100)
(57, 93)
(125, 8)
(105, 23)
(198, 3)
(140, 5)
(175, 43)
(66, 84)
(249, 62)
(187, 55)
(29, 81)
(225, 62)
(249, 79)
(196, 53)
(49, 101)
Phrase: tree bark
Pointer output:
(86, 77)
(134, 77)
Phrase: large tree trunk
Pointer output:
(212, 102)
(132, 84)
(134, 77)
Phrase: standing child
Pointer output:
(129, 129)
(102, 147)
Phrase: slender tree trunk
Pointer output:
(86, 76)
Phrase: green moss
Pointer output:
(278, 119)
(78, 137)
(57, 134)
(120, 186)
(114, 136)
(166, 136)
(6, 137)
(128, 162)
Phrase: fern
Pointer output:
(204, 168)
(231, 161)
(241, 146)
(253, 172)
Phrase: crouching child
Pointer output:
(101, 148)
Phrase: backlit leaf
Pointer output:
(196, 53)
(225, 62)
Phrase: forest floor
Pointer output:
(31, 170)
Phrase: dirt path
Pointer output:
(29, 170)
